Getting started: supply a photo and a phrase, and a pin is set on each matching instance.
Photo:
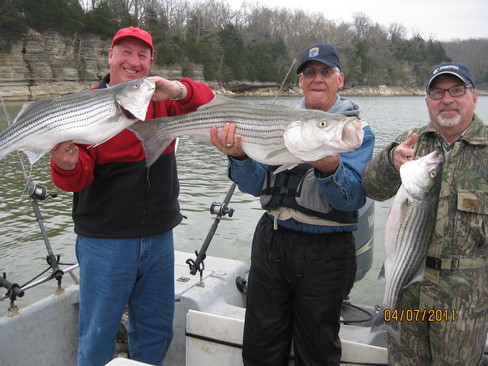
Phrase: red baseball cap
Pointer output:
(133, 32)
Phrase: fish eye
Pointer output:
(433, 174)
(322, 124)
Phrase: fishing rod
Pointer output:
(220, 210)
(283, 82)
(36, 193)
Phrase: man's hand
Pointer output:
(228, 142)
(327, 166)
(65, 155)
(403, 152)
(167, 89)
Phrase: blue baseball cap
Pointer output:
(324, 53)
(453, 68)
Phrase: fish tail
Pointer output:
(33, 155)
(153, 138)
(391, 327)
(394, 331)
(379, 323)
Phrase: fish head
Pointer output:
(134, 96)
(323, 135)
(420, 175)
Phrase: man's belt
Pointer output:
(454, 264)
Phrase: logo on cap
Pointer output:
(448, 67)
(313, 52)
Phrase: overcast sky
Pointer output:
(441, 20)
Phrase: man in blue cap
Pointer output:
(321, 92)
(448, 308)
(303, 261)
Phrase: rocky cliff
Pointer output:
(47, 65)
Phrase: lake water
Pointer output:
(203, 178)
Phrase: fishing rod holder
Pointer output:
(38, 192)
(219, 210)
(53, 262)
(13, 290)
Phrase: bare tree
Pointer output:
(397, 31)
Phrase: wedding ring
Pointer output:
(70, 151)
(229, 145)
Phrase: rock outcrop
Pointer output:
(47, 65)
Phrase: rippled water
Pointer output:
(203, 179)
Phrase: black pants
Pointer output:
(296, 286)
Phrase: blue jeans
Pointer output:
(137, 272)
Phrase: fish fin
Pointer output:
(101, 142)
(418, 276)
(277, 153)
(25, 107)
(220, 100)
(151, 134)
(217, 101)
(33, 155)
(285, 167)
(381, 276)
(278, 107)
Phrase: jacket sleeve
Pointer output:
(343, 189)
(197, 94)
(248, 175)
(381, 180)
(78, 178)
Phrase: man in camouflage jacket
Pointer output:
(454, 288)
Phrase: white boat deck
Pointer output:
(208, 324)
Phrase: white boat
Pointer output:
(208, 324)
(208, 321)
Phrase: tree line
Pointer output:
(254, 42)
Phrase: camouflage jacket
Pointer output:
(462, 217)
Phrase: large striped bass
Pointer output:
(409, 228)
(271, 134)
(90, 117)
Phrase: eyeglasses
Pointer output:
(310, 73)
(455, 91)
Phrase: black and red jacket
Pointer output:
(115, 194)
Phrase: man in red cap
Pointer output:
(124, 214)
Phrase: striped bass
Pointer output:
(271, 134)
(89, 117)
(409, 228)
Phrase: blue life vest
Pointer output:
(297, 188)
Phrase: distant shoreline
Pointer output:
(22, 92)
